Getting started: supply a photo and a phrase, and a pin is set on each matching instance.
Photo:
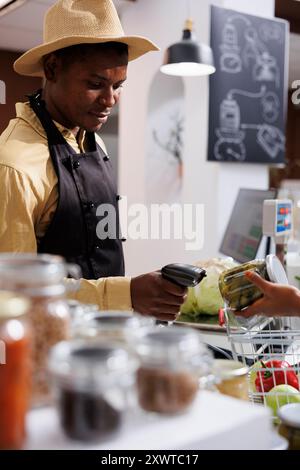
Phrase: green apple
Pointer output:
(281, 395)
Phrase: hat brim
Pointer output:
(30, 63)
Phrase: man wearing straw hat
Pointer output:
(55, 172)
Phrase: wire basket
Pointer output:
(256, 342)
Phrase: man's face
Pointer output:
(84, 92)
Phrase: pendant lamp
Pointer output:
(188, 57)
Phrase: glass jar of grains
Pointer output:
(40, 278)
(172, 361)
(94, 387)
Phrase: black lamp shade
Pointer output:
(188, 52)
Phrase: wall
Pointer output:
(165, 131)
(16, 86)
(212, 184)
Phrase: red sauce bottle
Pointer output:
(15, 369)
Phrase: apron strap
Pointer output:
(54, 136)
(39, 107)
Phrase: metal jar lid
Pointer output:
(275, 270)
(12, 305)
(117, 320)
(290, 415)
(90, 365)
(30, 269)
(226, 369)
(174, 348)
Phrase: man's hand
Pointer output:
(153, 295)
(278, 300)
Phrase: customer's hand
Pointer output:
(153, 295)
(278, 300)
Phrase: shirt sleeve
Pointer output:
(110, 293)
(17, 212)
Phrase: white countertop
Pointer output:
(213, 422)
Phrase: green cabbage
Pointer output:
(205, 298)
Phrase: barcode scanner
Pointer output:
(185, 275)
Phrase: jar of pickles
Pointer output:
(94, 385)
(172, 361)
(238, 292)
(112, 326)
(40, 278)
(15, 369)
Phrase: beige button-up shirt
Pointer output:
(29, 195)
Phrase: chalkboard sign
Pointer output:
(248, 92)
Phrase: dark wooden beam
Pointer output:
(289, 10)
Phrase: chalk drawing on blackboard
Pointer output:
(248, 92)
(230, 60)
(270, 138)
(254, 47)
(266, 69)
(229, 145)
(271, 32)
(270, 107)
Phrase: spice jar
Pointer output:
(112, 326)
(233, 378)
(172, 361)
(93, 383)
(290, 424)
(238, 292)
(15, 371)
(40, 278)
(78, 311)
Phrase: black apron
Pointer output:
(85, 180)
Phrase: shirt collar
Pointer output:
(25, 112)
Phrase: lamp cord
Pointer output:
(188, 5)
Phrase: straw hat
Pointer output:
(70, 22)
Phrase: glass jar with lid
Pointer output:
(113, 326)
(15, 369)
(232, 378)
(289, 426)
(78, 312)
(239, 292)
(40, 278)
(172, 361)
(94, 384)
